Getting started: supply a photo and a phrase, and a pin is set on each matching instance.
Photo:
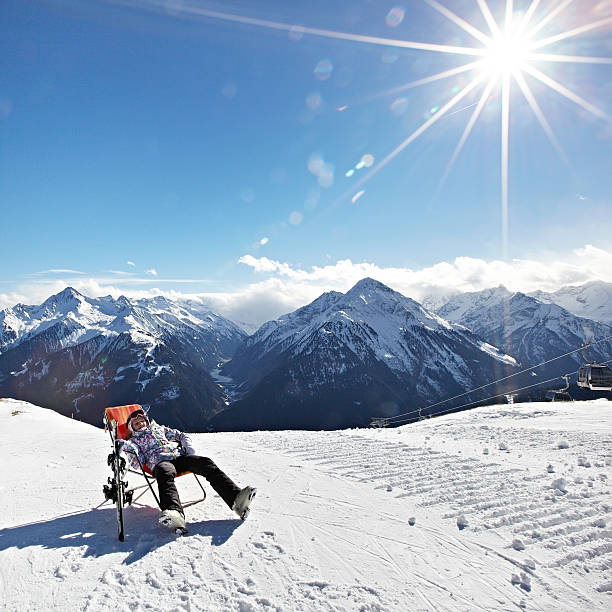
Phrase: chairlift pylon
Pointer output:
(379, 422)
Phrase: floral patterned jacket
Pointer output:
(156, 443)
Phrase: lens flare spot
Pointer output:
(315, 164)
(357, 196)
(349, 173)
(399, 107)
(433, 110)
(323, 70)
(367, 160)
(395, 16)
(326, 178)
(314, 101)
(295, 218)
(264, 240)
(296, 32)
(323, 170)
(341, 109)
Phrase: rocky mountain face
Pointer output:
(529, 329)
(78, 355)
(345, 358)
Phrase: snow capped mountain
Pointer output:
(144, 320)
(592, 300)
(78, 354)
(530, 330)
(347, 357)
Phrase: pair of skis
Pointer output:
(116, 489)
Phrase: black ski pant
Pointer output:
(165, 472)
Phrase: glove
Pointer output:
(187, 447)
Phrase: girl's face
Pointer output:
(139, 422)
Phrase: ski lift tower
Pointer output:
(379, 422)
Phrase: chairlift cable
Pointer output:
(479, 402)
(392, 419)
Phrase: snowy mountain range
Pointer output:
(77, 354)
(334, 363)
(591, 301)
(347, 357)
(531, 330)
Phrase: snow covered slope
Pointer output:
(500, 508)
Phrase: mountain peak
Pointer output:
(68, 298)
(369, 284)
(69, 293)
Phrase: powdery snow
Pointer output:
(414, 518)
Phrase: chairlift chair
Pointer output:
(115, 422)
(560, 395)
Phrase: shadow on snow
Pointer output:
(96, 529)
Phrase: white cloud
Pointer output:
(283, 287)
(295, 287)
(10, 299)
(121, 272)
(56, 271)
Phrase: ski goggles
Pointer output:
(137, 413)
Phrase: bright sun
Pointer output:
(512, 48)
(506, 54)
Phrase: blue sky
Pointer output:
(165, 147)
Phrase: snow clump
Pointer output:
(559, 484)
(518, 544)
(562, 444)
(462, 522)
(524, 581)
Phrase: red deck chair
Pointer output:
(117, 415)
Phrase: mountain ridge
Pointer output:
(78, 354)
(371, 338)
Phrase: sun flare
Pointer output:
(506, 54)
(507, 57)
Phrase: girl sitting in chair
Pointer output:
(151, 444)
